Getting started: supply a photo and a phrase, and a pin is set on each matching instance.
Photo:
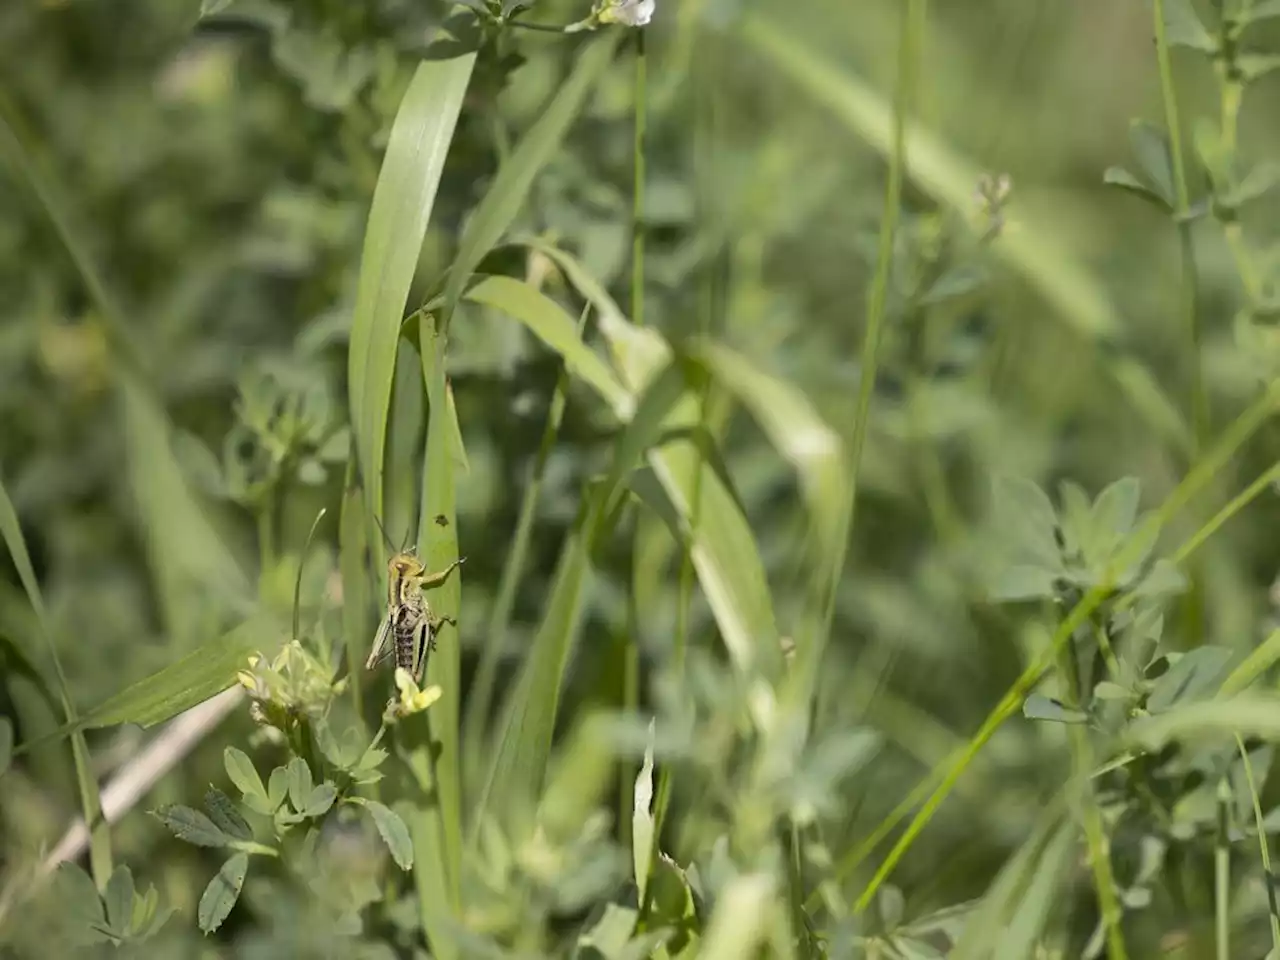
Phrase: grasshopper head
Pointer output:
(404, 566)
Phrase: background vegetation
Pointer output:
(277, 278)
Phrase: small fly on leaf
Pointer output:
(408, 630)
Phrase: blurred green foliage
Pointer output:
(647, 504)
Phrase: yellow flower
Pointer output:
(412, 700)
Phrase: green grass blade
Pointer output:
(1063, 282)
(795, 430)
(507, 194)
(398, 218)
(1012, 912)
(204, 672)
(90, 801)
(725, 555)
(182, 544)
(723, 549)
(438, 546)
(480, 695)
(353, 560)
(520, 762)
(549, 322)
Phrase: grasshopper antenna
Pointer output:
(383, 531)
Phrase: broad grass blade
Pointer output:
(90, 801)
(520, 762)
(398, 218)
(507, 194)
(438, 546)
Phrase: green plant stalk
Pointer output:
(1230, 97)
(631, 642)
(1196, 479)
(1222, 875)
(1272, 908)
(1096, 840)
(914, 17)
(480, 697)
(1189, 293)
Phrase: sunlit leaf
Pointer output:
(222, 893)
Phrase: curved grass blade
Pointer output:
(520, 761)
(353, 557)
(938, 170)
(507, 194)
(724, 551)
(398, 218)
(184, 548)
(297, 583)
(438, 545)
(549, 322)
(204, 672)
(480, 695)
(90, 801)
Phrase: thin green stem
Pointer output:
(1273, 909)
(1096, 840)
(1222, 874)
(1189, 292)
(914, 14)
(631, 651)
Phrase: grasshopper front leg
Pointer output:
(431, 579)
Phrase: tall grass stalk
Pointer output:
(1272, 909)
(1189, 293)
(911, 39)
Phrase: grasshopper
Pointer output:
(408, 630)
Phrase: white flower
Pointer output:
(631, 13)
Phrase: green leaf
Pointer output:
(505, 197)
(1256, 183)
(1122, 178)
(740, 921)
(642, 825)
(192, 826)
(1076, 294)
(222, 893)
(1247, 714)
(277, 787)
(243, 774)
(1024, 518)
(392, 830)
(225, 816)
(1184, 29)
(401, 210)
(118, 900)
(209, 8)
(1262, 10)
(1106, 690)
(320, 800)
(1258, 662)
(1023, 581)
(80, 903)
(1194, 675)
(1254, 66)
(1039, 707)
(300, 783)
(609, 935)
